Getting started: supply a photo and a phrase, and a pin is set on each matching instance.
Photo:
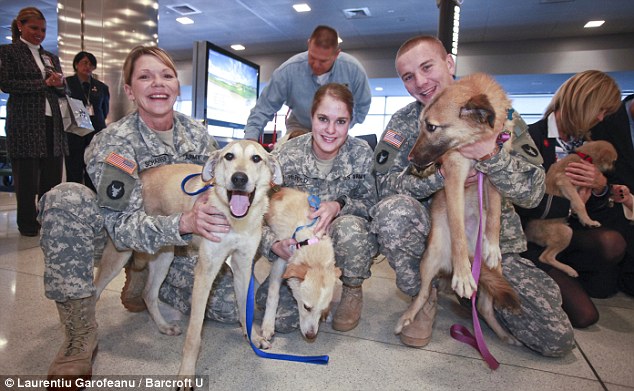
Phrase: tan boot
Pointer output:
(349, 310)
(74, 359)
(418, 333)
(132, 293)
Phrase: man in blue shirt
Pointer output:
(295, 82)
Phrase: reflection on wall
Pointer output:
(108, 29)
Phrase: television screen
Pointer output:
(232, 88)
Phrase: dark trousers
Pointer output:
(32, 178)
(74, 162)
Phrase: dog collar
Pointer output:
(307, 242)
(315, 202)
(584, 156)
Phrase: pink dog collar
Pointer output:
(307, 242)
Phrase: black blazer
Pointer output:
(99, 99)
(22, 79)
(616, 129)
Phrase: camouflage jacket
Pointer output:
(351, 176)
(518, 175)
(114, 159)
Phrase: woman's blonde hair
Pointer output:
(137, 52)
(581, 99)
(24, 16)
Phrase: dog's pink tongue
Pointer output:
(239, 203)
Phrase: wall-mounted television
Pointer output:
(225, 87)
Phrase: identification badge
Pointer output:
(90, 110)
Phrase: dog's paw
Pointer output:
(405, 320)
(260, 342)
(569, 271)
(589, 223)
(464, 286)
(511, 340)
(268, 332)
(170, 329)
(492, 256)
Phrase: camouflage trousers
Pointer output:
(72, 240)
(355, 248)
(402, 225)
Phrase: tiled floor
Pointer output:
(367, 358)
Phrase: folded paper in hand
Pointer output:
(75, 116)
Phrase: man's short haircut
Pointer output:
(415, 41)
(325, 37)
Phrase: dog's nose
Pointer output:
(239, 179)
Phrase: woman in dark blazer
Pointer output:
(96, 96)
(36, 142)
(579, 104)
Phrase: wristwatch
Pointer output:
(341, 200)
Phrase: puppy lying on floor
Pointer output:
(555, 234)
(310, 272)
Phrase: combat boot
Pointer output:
(74, 359)
(132, 293)
(349, 310)
(418, 333)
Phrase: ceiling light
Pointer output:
(302, 7)
(8, 37)
(184, 20)
(594, 23)
(378, 89)
(237, 47)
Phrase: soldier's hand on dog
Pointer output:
(483, 147)
(586, 174)
(204, 220)
(284, 248)
(326, 213)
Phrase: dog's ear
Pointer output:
(276, 170)
(478, 109)
(209, 168)
(337, 272)
(296, 271)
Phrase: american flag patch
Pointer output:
(393, 138)
(121, 163)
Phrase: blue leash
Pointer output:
(323, 360)
(315, 202)
(193, 193)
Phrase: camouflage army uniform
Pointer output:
(351, 177)
(75, 220)
(401, 221)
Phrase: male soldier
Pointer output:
(295, 82)
(401, 219)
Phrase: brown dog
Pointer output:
(242, 174)
(555, 234)
(310, 272)
(465, 112)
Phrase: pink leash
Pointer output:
(460, 332)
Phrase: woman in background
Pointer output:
(36, 142)
(578, 105)
(96, 97)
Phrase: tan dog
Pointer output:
(470, 109)
(555, 234)
(310, 272)
(242, 173)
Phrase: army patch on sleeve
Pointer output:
(393, 138)
(126, 165)
(115, 188)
